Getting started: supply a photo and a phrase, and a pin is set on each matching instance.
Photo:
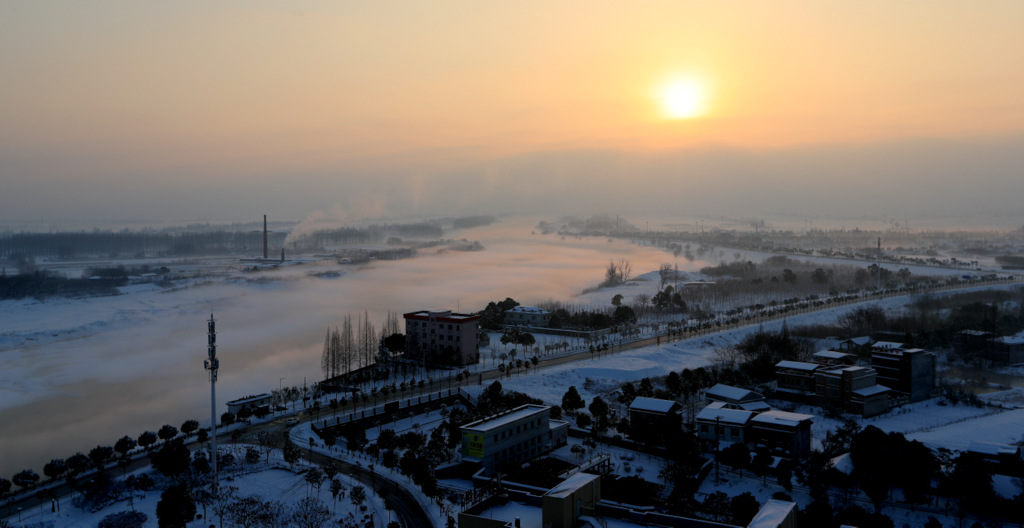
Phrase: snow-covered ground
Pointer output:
(275, 481)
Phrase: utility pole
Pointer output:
(212, 364)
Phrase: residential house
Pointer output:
(652, 418)
(736, 398)
(1007, 350)
(717, 423)
(783, 432)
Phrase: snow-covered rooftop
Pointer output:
(641, 403)
(772, 514)
(842, 463)
(797, 365)
(527, 310)
(1010, 340)
(730, 393)
(571, 484)
(887, 345)
(731, 416)
(831, 354)
(788, 419)
(753, 406)
(249, 399)
(488, 424)
(993, 449)
(872, 390)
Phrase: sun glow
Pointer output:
(683, 99)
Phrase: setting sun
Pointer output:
(683, 99)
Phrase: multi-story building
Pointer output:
(852, 389)
(512, 437)
(527, 316)
(442, 337)
(908, 371)
(796, 380)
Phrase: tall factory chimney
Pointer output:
(265, 254)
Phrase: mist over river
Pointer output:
(77, 373)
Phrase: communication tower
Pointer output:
(212, 364)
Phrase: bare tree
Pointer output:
(266, 443)
(310, 513)
(367, 340)
(642, 301)
(347, 348)
(392, 325)
(325, 357)
(611, 274)
(625, 270)
(666, 274)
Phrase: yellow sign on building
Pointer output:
(473, 445)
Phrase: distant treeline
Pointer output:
(72, 245)
(373, 234)
(203, 241)
(41, 284)
(473, 221)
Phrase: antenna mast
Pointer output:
(212, 364)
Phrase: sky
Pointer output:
(122, 111)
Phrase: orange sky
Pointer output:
(125, 88)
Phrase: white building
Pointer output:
(527, 316)
(512, 437)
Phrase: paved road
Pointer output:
(405, 508)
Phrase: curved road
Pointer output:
(405, 508)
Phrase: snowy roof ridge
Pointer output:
(797, 365)
(643, 403)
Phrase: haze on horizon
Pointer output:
(118, 111)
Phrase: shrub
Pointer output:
(125, 519)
